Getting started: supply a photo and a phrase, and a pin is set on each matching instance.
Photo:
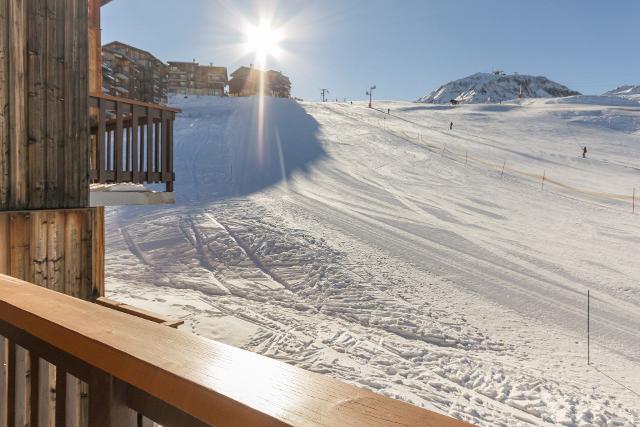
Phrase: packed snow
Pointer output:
(496, 87)
(428, 264)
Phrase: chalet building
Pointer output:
(121, 75)
(68, 356)
(278, 85)
(134, 73)
(191, 78)
(245, 81)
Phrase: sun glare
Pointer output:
(263, 40)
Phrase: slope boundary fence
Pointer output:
(543, 178)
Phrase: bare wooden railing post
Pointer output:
(119, 141)
(34, 389)
(171, 177)
(149, 143)
(3, 381)
(11, 384)
(61, 397)
(107, 402)
(102, 119)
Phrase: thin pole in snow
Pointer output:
(544, 174)
(503, 165)
(588, 331)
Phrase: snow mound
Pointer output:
(626, 91)
(496, 87)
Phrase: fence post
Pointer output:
(544, 174)
(503, 165)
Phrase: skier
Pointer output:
(584, 152)
(451, 126)
(388, 110)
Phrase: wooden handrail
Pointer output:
(134, 102)
(212, 382)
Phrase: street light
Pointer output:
(324, 93)
(370, 93)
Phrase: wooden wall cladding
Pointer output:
(60, 250)
(44, 113)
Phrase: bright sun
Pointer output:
(264, 41)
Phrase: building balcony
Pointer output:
(131, 159)
(133, 368)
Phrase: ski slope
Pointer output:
(369, 247)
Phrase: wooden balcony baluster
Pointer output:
(132, 142)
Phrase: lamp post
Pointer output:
(370, 93)
(324, 93)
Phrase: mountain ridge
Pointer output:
(496, 87)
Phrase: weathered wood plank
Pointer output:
(73, 253)
(55, 103)
(81, 97)
(97, 256)
(5, 243)
(55, 251)
(36, 102)
(19, 260)
(38, 242)
(4, 105)
(17, 30)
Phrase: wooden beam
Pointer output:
(138, 312)
(215, 383)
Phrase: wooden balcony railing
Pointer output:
(137, 370)
(131, 141)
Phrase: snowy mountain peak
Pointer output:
(496, 87)
(626, 91)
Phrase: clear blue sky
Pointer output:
(406, 47)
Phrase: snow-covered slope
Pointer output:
(627, 91)
(365, 246)
(492, 87)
